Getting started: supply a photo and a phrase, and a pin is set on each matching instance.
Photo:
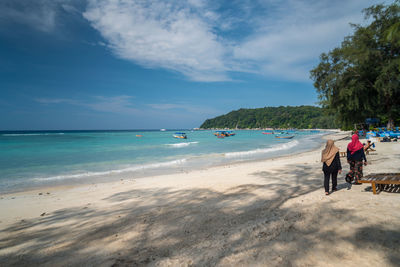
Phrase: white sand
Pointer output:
(269, 213)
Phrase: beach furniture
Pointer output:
(369, 147)
(381, 179)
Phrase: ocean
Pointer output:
(47, 158)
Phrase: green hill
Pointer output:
(301, 117)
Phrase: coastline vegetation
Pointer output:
(361, 78)
(301, 117)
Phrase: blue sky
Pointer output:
(119, 64)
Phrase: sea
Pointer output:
(34, 159)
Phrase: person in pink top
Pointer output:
(355, 157)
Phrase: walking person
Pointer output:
(355, 157)
(331, 165)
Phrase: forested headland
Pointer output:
(301, 117)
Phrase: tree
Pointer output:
(361, 78)
(273, 117)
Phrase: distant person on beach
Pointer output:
(355, 157)
(368, 147)
(331, 165)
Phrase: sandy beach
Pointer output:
(263, 213)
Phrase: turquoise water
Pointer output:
(32, 159)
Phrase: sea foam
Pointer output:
(129, 169)
(279, 147)
(182, 144)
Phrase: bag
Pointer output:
(349, 177)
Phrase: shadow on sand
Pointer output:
(199, 227)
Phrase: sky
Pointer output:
(145, 64)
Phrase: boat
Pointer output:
(267, 132)
(162, 130)
(284, 137)
(180, 135)
(139, 135)
(221, 134)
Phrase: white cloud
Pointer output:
(205, 40)
(161, 34)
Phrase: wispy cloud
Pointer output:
(124, 105)
(205, 40)
(54, 100)
(292, 34)
(38, 14)
(186, 107)
(42, 15)
(115, 104)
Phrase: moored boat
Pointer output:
(180, 135)
(221, 134)
(284, 137)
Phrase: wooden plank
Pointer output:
(380, 182)
(388, 182)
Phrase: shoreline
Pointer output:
(45, 190)
(142, 173)
(121, 175)
(272, 211)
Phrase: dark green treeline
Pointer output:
(301, 117)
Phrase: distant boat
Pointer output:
(284, 137)
(162, 130)
(180, 135)
(222, 134)
(139, 135)
(268, 133)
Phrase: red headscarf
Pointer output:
(355, 144)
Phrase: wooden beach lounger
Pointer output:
(381, 179)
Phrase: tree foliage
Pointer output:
(302, 117)
(361, 78)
